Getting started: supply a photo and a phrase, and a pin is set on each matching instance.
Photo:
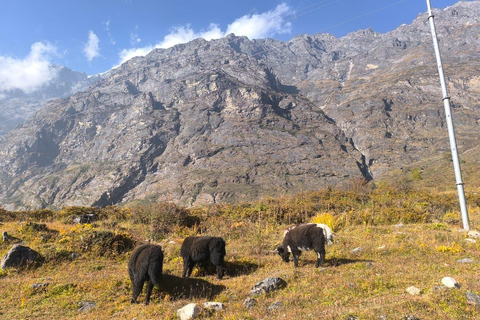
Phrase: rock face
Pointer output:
(16, 105)
(234, 119)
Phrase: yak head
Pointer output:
(285, 254)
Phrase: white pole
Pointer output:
(451, 130)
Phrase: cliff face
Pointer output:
(17, 105)
(234, 119)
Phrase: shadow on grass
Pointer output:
(238, 268)
(188, 288)
(335, 262)
(232, 269)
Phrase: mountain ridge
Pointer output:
(235, 119)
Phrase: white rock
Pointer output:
(356, 250)
(450, 282)
(215, 306)
(471, 240)
(473, 234)
(190, 311)
(414, 291)
(381, 247)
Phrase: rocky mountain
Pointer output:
(17, 105)
(236, 119)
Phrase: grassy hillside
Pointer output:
(406, 238)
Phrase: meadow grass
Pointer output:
(405, 239)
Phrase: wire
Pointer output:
(361, 16)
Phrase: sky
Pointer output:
(93, 36)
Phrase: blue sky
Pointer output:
(92, 36)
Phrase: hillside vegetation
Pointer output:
(387, 239)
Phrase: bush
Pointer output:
(324, 218)
(162, 217)
(106, 243)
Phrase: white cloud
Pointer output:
(185, 34)
(91, 49)
(253, 26)
(30, 73)
(262, 25)
(107, 28)
(127, 54)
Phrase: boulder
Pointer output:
(450, 282)
(20, 256)
(190, 311)
(86, 218)
(473, 298)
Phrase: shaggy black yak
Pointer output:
(305, 237)
(203, 249)
(145, 264)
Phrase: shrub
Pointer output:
(324, 218)
(162, 217)
(106, 243)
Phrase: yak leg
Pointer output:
(320, 258)
(296, 255)
(187, 267)
(149, 291)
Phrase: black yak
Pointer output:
(203, 249)
(305, 237)
(145, 264)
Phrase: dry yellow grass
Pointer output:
(366, 284)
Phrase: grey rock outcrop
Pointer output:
(267, 285)
(236, 119)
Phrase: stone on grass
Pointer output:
(249, 303)
(19, 256)
(214, 306)
(473, 298)
(267, 285)
(414, 291)
(470, 240)
(410, 317)
(275, 306)
(473, 234)
(86, 218)
(450, 282)
(86, 306)
(439, 288)
(190, 311)
(356, 250)
(465, 260)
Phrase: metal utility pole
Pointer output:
(451, 130)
